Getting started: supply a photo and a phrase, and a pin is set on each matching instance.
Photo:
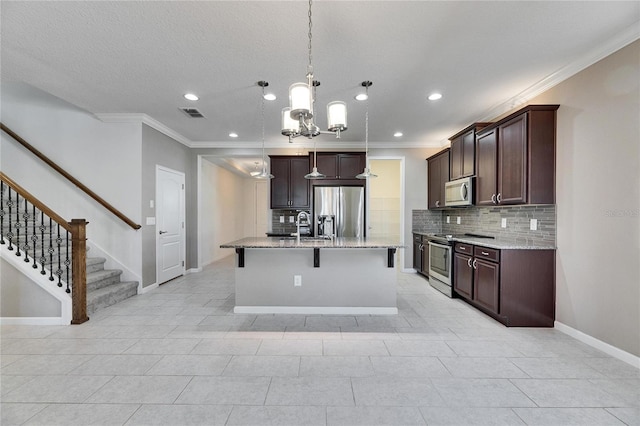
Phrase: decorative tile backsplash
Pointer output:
(487, 221)
(287, 227)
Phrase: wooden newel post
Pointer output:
(79, 270)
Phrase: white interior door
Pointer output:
(170, 231)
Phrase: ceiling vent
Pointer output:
(192, 112)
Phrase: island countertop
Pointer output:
(279, 242)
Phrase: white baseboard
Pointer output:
(192, 271)
(618, 353)
(408, 271)
(315, 310)
(34, 321)
(146, 289)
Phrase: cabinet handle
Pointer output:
(438, 203)
(463, 248)
(469, 262)
(421, 247)
(484, 253)
(475, 263)
(463, 191)
(493, 198)
(498, 198)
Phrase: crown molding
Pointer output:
(141, 118)
(323, 144)
(612, 45)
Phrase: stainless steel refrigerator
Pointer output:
(338, 211)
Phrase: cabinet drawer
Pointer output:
(464, 248)
(486, 253)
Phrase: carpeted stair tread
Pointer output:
(110, 295)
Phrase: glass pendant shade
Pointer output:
(300, 100)
(315, 174)
(337, 116)
(264, 174)
(366, 174)
(289, 125)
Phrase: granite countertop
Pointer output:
(278, 242)
(497, 243)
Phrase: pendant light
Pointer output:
(263, 174)
(366, 174)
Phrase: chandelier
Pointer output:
(297, 118)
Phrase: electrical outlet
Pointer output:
(448, 219)
(292, 219)
(151, 204)
(458, 220)
(533, 224)
(281, 219)
(504, 222)
(297, 280)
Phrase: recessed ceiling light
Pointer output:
(269, 97)
(191, 97)
(435, 96)
(233, 135)
(361, 97)
(397, 134)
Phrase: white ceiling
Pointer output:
(140, 57)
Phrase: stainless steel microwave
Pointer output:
(458, 192)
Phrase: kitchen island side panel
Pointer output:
(346, 278)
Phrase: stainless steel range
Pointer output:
(441, 263)
(441, 260)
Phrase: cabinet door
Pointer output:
(350, 165)
(486, 279)
(444, 175)
(468, 154)
(433, 184)
(327, 164)
(425, 258)
(298, 185)
(463, 275)
(456, 154)
(417, 254)
(512, 161)
(486, 167)
(280, 183)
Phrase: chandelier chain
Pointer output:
(310, 67)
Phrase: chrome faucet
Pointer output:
(298, 220)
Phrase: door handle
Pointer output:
(162, 232)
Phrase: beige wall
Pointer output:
(598, 199)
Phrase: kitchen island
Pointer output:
(315, 276)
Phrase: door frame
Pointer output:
(183, 213)
(403, 237)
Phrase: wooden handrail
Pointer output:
(73, 180)
(33, 200)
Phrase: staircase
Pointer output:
(104, 287)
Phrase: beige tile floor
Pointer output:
(179, 356)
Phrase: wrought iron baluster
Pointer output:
(2, 186)
(67, 263)
(10, 233)
(18, 225)
(51, 250)
(25, 216)
(34, 239)
(43, 258)
(59, 252)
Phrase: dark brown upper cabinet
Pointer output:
(289, 188)
(340, 165)
(437, 176)
(463, 152)
(515, 158)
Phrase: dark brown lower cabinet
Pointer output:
(420, 255)
(516, 287)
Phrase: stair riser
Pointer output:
(103, 282)
(103, 301)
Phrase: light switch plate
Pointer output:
(151, 220)
(533, 224)
(151, 204)
(504, 222)
(458, 220)
(297, 280)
